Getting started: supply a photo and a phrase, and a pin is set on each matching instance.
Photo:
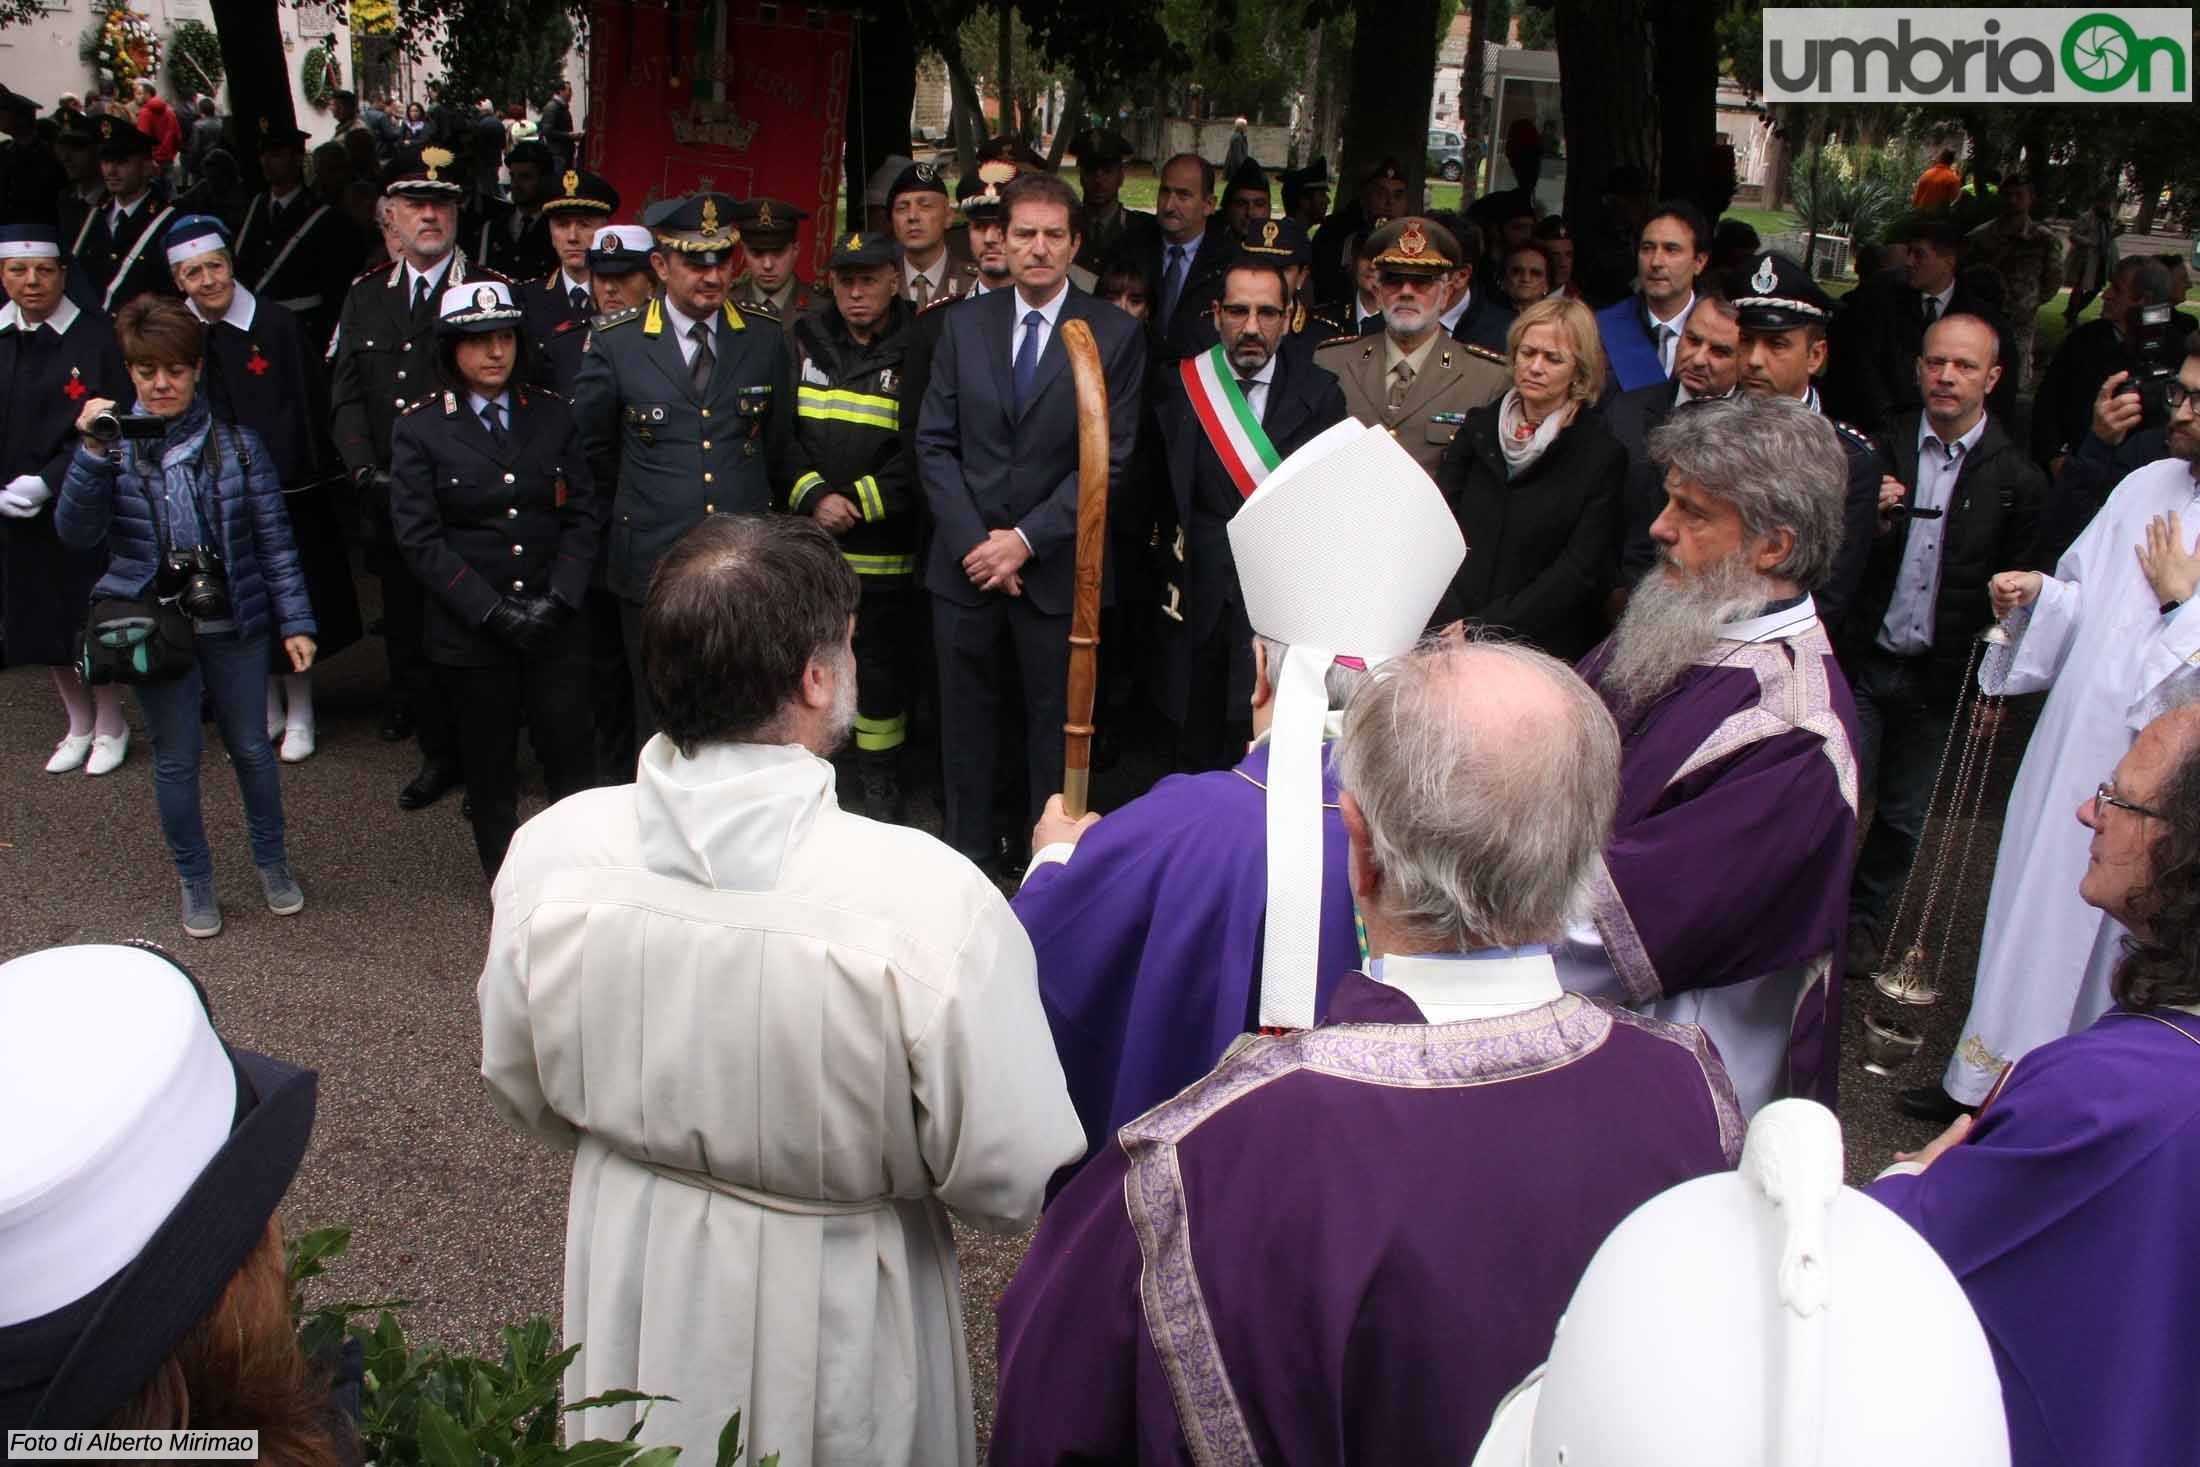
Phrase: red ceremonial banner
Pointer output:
(742, 97)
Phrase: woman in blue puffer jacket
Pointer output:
(214, 488)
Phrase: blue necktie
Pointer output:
(1027, 359)
(492, 419)
(1172, 283)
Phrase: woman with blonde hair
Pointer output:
(1534, 482)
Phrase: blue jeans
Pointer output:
(233, 674)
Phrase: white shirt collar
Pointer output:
(435, 275)
(127, 210)
(282, 201)
(1052, 310)
(683, 323)
(1772, 625)
(241, 310)
(1943, 296)
(572, 285)
(1675, 320)
(1451, 317)
(1926, 436)
(1266, 376)
(1489, 984)
(63, 317)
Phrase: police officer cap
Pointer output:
(768, 224)
(424, 173)
(1776, 294)
(917, 178)
(700, 227)
(1313, 175)
(1250, 177)
(619, 249)
(979, 194)
(1388, 168)
(29, 242)
(1278, 241)
(529, 150)
(475, 307)
(1016, 150)
(1101, 146)
(582, 192)
(273, 134)
(118, 140)
(859, 249)
(1414, 246)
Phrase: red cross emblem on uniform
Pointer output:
(75, 387)
(256, 364)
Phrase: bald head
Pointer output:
(1956, 369)
(1480, 781)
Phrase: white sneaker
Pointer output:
(297, 744)
(69, 753)
(108, 752)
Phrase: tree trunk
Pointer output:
(1471, 76)
(251, 38)
(1688, 103)
(1006, 34)
(1609, 111)
(1071, 120)
(2150, 197)
(1393, 72)
(969, 113)
(879, 102)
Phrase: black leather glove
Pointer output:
(373, 483)
(513, 622)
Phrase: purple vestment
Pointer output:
(1347, 1244)
(1730, 858)
(1149, 939)
(2068, 1216)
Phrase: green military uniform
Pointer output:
(848, 442)
(772, 224)
(671, 441)
(2029, 258)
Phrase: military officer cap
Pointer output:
(273, 134)
(979, 195)
(529, 150)
(619, 249)
(78, 129)
(1388, 168)
(1777, 294)
(699, 227)
(1100, 146)
(1313, 175)
(476, 307)
(768, 224)
(1015, 150)
(14, 101)
(424, 173)
(1414, 246)
(29, 242)
(1280, 241)
(917, 178)
(582, 192)
(119, 140)
(194, 235)
(1249, 176)
(862, 248)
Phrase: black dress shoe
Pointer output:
(1932, 1103)
(432, 783)
(397, 724)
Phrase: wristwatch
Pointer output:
(2170, 606)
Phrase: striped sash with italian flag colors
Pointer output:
(1238, 439)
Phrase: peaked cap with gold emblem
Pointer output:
(768, 224)
(424, 173)
(699, 226)
(1414, 246)
(582, 192)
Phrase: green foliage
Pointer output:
(507, 50)
(1248, 64)
(1538, 24)
(194, 60)
(320, 74)
(423, 1406)
(1855, 192)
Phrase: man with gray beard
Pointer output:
(1722, 899)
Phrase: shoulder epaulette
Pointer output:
(617, 318)
(1476, 349)
(1854, 432)
(761, 308)
(373, 270)
(532, 390)
(939, 301)
(1338, 341)
(415, 407)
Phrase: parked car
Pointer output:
(1447, 154)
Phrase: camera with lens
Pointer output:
(111, 427)
(197, 582)
(2156, 354)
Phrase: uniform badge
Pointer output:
(855, 242)
(764, 216)
(485, 299)
(572, 182)
(1269, 231)
(710, 217)
(256, 364)
(435, 160)
(450, 404)
(887, 380)
(558, 488)
(74, 387)
(1765, 280)
(1412, 241)
(927, 172)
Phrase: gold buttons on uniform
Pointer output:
(706, 412)
(706, 445)
(706, 478)
(512, 514)
(507, 478)
(519, 585)
(516, 549)
(710, 509)
(400, 374)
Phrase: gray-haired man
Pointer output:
(1722, 899)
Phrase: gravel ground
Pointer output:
(373, 985)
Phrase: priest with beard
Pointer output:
(1722, 899)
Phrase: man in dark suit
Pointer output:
(1479, 314)
(1641, 334)
(1206, 677)
(684, 408)
(1871, 370)
(293, 248)
(997, 457)
(385, 360)
(121, 257)
(1708, 364)
(555, 126)
(1959, 501)
(1187, 262)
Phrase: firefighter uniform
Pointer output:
(848, 443)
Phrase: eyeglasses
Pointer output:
(2105, 793)
(2176, 394)
(1237, 315)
